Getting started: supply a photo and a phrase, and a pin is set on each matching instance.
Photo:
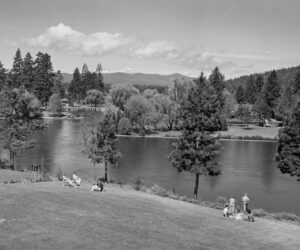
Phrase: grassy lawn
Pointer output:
(51, 216)
(253, 131)
(234, 131)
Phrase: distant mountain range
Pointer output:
(285, 76)
(136, 78)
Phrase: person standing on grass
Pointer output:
(231, 205)
(245, 201)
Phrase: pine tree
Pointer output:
(43, 77)
(297, 83)
(58, 87)
(288, 150)
(28, 72)
(16, 71)
(99, 78)
(216, 79)
(101, 143)
(251, 91)
(3, 76)
(197, 147)
(259, 83)
(76, 87)
(271, 91)
(240, 95)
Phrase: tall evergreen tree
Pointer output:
(259, 83)
(28, 72)
(288, 150)
(197, 147)
(297, 83)
(240, 95)
(286, 104)
(101, 143)
(99, 78)
(251, 91)
(216, 79)
(16, 71)
(76, 87)
(43, 77)
(3, 76)
(58, 87)
(272, 91)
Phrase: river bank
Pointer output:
(125, 219)
(255, 133)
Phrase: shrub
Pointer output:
(138, 183)
(124, 126)
(59, 175)
(286, 216)
(112, 181)
(158, 190)
(259, 212)
(6, 164)
(222, 200)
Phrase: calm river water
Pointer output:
(247, 166)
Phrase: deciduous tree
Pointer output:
(55, 105)
(120, 93)
(94, 97)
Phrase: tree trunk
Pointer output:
(105, 175)
(95, 175)
(196, 185)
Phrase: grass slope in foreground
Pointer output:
(51, 216)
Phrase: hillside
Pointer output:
(285, 76)
(51, 216)
(136, 78)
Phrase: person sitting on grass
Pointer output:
(226, 211)
(238, 215)
(95, 187)
(98, 187)
(76, 179)
(100, 184)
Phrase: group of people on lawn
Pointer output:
(230, 212)
(75, 181)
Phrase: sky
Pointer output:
(154, 36)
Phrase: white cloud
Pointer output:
(156, 49)
(127, 70)
(62, 37)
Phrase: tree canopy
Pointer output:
(288, 150)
